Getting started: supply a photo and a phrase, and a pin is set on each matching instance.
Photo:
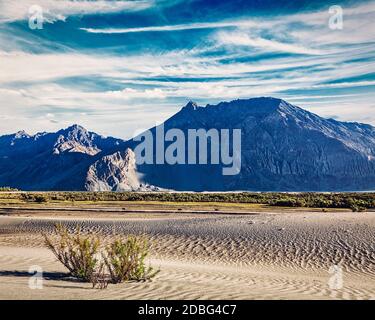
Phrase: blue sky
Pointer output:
(120, 66)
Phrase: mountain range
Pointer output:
(283, 148)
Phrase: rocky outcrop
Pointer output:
(115, 172)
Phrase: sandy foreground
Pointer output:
(288, 255)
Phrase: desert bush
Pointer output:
(8, 189)
(40, 199)
(288, 202)
(99, 279)
(31, 197)
(356, 208)
(125, 260)
(79, 254)
(87, 259)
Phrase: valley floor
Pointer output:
(263, 255)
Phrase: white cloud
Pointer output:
(312, 26)
(242, 39)
(312, 36)
(58, 96)
(20, 66)
(11, 10)
(178, 27)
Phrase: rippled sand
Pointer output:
(210, 256)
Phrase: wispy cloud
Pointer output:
(134, 76)
(242, 39)
(178, 27)
(54, 10)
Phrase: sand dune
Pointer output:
(264, 256)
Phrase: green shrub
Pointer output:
(76, 252)
(8, 189)
(289, 202)
(125, 260)
(40, 199)
(121, 260)
(31, 197)
(356, 208)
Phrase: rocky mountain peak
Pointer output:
(191, 105)
(21, 134)
(76, 128)
(75, 139)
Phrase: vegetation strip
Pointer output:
(353, 201)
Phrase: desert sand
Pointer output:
(265, 255)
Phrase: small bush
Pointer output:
(124, 259)
(40, 199)
(288, 202)
(8, 189)
(356, 208)
(77, 253)
(121, 260)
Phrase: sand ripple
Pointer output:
(232, 257)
